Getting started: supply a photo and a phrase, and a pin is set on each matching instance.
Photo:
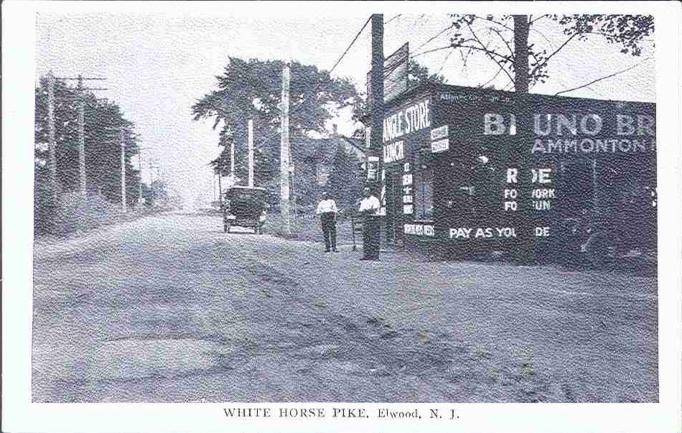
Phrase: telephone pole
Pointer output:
(377, 123)
(81, 125)
(232, 159)
(123, 170)
(139, 168)
(377, 86)
(52, 153)
(81, 137)
(220, 186)
(250, 142)
(285, 158)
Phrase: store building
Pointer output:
(467, 169)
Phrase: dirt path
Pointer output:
(169, 308)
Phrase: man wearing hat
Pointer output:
(327, 211)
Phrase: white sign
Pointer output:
(410, 119)
(418, 229)
(440, 146)
(439, 133)
(394, 152)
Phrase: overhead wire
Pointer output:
(265, 139)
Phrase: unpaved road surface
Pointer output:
(170, 309)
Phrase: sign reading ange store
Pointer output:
(407, 120)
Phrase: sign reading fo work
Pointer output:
(407, 120)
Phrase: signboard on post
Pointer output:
(395, 73)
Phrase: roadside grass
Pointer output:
(75, 214)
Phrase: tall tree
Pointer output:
(103, 122)
(505, 40)
(251, 89)
(418, 74)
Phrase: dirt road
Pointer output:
(170, 309)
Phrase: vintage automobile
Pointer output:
(245, 207)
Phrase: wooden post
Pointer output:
(52, 152)
(521, 53)
(285, 158)
(139, 183)
(220, 187)
(232, 159)
(377, 96)
(250, 140)
(123, 170)
(81, 138)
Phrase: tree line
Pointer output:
(104, 127)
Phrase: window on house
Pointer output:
(423, 194)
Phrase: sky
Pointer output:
(157, 64)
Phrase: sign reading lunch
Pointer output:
(409, 119)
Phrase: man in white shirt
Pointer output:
(327, 211)
(369, 208)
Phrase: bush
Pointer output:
(74, 213)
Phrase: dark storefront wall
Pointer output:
(473, 202)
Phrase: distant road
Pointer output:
(168, 308)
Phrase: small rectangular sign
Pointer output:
(394, 152)
(439, 133)
(440, 146)
(418, 229)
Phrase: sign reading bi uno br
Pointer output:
(409, 119)
(581, 133)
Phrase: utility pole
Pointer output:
(377, 120)
(220, 186)
(152, 193)
(232, 159)
(521, 29)
(52, 153)
(139, 167)
(285, 158)
(377, 87)
(123, 170)
(81, 126)
(250, 143)
(81, 137)
(139, 183)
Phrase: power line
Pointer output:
(604, 77)
(395, 17)
(434, 37)
(317, 87)
(349, 46)
(444, 61)
(265, 139)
